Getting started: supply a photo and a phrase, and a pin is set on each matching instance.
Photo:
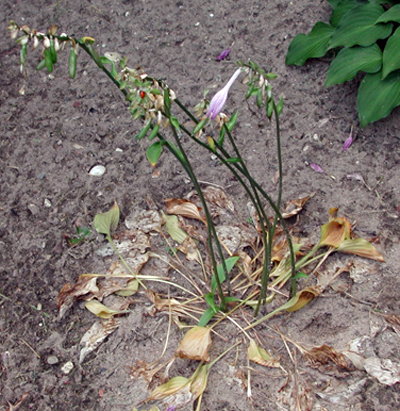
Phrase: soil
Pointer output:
(53, 134)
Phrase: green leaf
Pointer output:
(233, 160)
(232, 121)
(48, 60)
(53, 52)
(340, 10)
(200, 125)
(316, 44)
(221, 137)
(391, 54)
(209, 298)
(206, 317)
(259, 99)
(393, 14)
(154, 132)
(167, 102)
(358, 27)
(229, 262)
(350, 61)
(175, 123)
(72, 61)
(24, 49)
(41, 65)
(105, 222)
(142, 133)
(376, 97)
(333, 3)
(153, 152)
(279, 106)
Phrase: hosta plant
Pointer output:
(365, 37)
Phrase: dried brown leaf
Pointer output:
(184, 208)
(218, 197)
(325, 354)
(159, 303)
(144, 220)
(72, 292)
(195, 344)
(293, 207)
(189, 248)
(96, 334)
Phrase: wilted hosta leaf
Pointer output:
(335, 232)
(293, 207)
(100, 310)
(96, 334)
(72, 292)
(360, 247)
(260, 356)
(195, 344)
(302, 298)
(184, 208)
(217, 196)
(230, 236)
(199, 381)
(173, 229)
(105, 222)
(176, 385)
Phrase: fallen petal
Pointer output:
(224, 54)
(316, 168)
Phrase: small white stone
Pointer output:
(119, 150)
(47, 203)
(67, 367)
(97, 171)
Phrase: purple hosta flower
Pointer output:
(316, 168)
(219, 100)
(349, 140)
(172, 408)
(224, 54)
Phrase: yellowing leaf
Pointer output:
(173, 229)
(104, 222)
(302, 298)
(184, 208)
(335, 232)
(173, 386)
(199, 380)
(260, 356)
(100, 310)
(360, 247)
(195, 344)
(130, 289)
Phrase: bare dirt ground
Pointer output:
(59, 129)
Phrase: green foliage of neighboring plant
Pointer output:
(366, 35)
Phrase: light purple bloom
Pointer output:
(349, 141)
(224, 54)
(316, 168)
(219, 100)
(171, 408)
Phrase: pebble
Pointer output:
(47, 203)
(67, 367)
(97, 171)
(52, 360)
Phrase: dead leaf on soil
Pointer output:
(217, 196)
(230, 236)
(384, 370)
(96, 334)
(260, 356)
(293, 207)
(72, 292)
(184, 208)
(297, 395)
(324, 354)
(302, 298)
(130, 242)
(189, 248)
(144, 220)
(344, 396)
(195, 344)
